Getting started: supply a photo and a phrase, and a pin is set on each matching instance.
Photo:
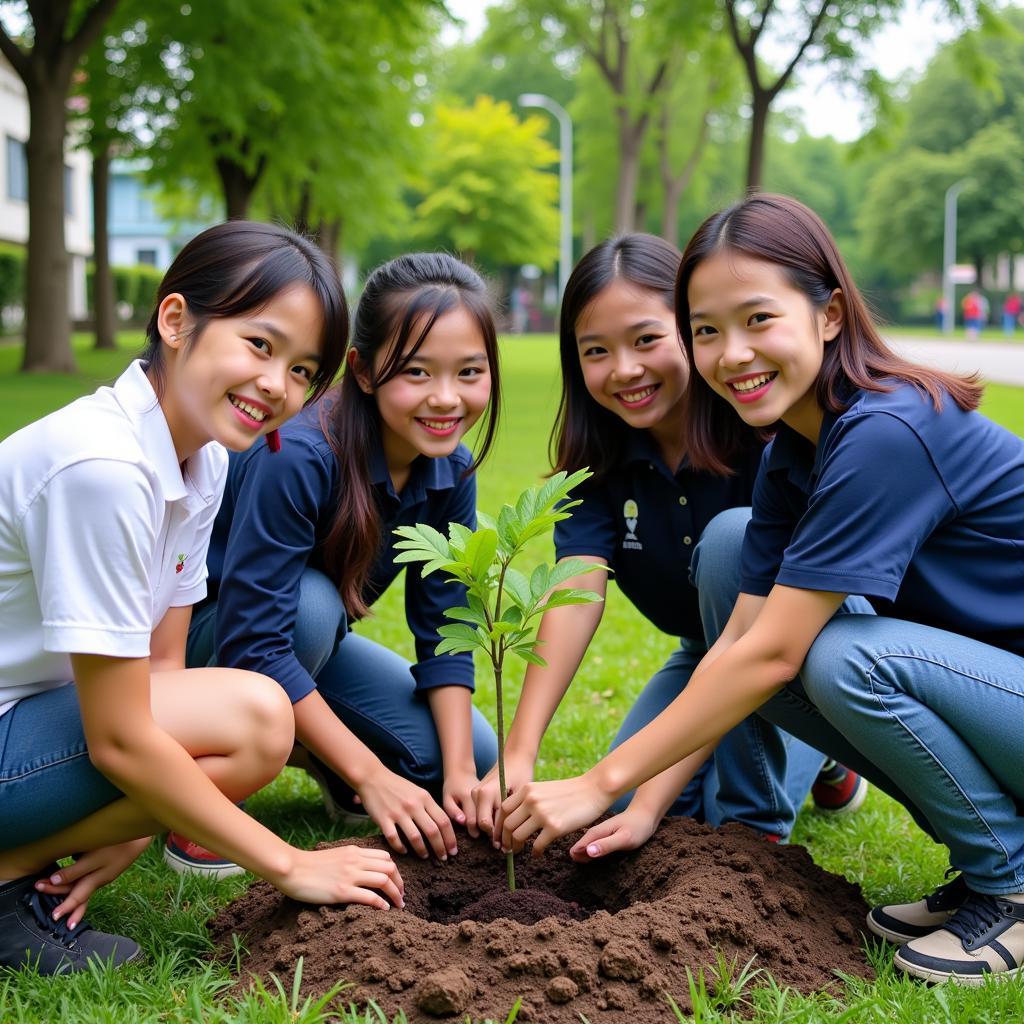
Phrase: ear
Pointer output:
(171, 320)
(835, 315)
(358, 368)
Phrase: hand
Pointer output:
(457, 798)
(625, 831)
(487, 795)
(398, 805)
(550, 808)
(345, 874)
(78, 881)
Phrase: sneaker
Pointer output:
(901, 922)
(984, 938)
(189, 858)
(838, 790)
(338, 796)
(29, 936)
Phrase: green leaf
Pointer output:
(480, 552)
(452, 646)
(526, 506)
(466, 615)
(539, 582)
(560, 598)
(484, 521)
(518, 588)
(458, 631)
(512, 614)
(570, 567)
(459, 536)
(525, 652)
(508, 527)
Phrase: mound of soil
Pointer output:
(607, 940)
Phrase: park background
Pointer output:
(379, 127)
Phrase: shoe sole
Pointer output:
(856, 801)
(936, 977)
(183, 866)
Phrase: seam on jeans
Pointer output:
(953, 784)
(24, 774)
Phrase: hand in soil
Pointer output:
(401, 808)
(626, 831)
(551, 808)
(345, 874)
(78, 881)
(518, 772)
(457, 799)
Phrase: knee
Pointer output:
(270, 720)
(717, 554)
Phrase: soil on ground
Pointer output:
(607, 940)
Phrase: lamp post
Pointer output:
(949, 253)
(534, 99)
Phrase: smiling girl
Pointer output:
(106, 508)
(303, 546)
(882, 481)
(644, 514)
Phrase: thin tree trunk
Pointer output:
(760, 106)
(103, 280)
(629, 171)
(238, 186)
(328, 238)
(47, 317)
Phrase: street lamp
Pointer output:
(535, 99)
(949, 252)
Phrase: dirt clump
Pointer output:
(611, 939)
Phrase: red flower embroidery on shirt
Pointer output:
(181, 563)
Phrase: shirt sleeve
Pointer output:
(426, 598)
(192, 584)
(92, 556)
(878, 498)
(273, 530)
(591, 529)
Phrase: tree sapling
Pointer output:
(502, 604)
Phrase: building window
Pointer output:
(17, 170)
(146, 256)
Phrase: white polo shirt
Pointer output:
(100, 533)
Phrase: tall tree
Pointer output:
(44, 57)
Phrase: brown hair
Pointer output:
(784, 232)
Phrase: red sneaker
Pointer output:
(838, 790)
(189, 858)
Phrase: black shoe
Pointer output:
(338, 796)
(29, 936)
(901, 922)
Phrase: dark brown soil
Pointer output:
(690, 892)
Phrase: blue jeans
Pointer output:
(370, 688)
(759, 775)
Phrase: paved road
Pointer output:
(1000, 362)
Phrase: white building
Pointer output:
(14, 125)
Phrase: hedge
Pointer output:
(12, 277)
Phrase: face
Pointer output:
(758, 341)
(243, 376)
(438, 395)
(631, 356)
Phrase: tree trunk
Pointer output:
(238, 186)
(629, 171)
(670, 211)
(328, 238)
(103, 280)
(758, 127)
(47, 292)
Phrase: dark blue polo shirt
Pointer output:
(645, 519)
(278, 509)
(921, 511)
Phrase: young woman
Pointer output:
(644, 511)
(883, 481)
(303, 545)
(106, 508)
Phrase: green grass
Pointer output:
(879, 847)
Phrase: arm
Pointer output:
(452, 710)
(748, 666)
(167, 645)
(563, 638)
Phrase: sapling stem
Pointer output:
(497, 665)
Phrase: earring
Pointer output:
(173, 337)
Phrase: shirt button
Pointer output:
(682, 500)
(687, 540)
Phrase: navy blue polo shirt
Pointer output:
(921, 511)
(278, 509)
(645, 519)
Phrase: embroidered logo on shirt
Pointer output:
(631, 513)
(181, 563)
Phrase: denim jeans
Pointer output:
(938, 711)
(370, 688)
(759, 775)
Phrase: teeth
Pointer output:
(438, 424)
(752, 383)
(250, 410)
(637, 396)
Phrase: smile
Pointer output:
(638, 397)
(253, 412)
(440, 427)
(749, 389)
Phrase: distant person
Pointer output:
(940, 312)
(1011, 313)
(972, 310)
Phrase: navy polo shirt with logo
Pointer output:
(645, 519)
(919, 510)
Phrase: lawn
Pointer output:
(880, 847)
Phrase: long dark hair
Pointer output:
(784, 232)
(238, 267)
(585, 433)
(400, 299)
